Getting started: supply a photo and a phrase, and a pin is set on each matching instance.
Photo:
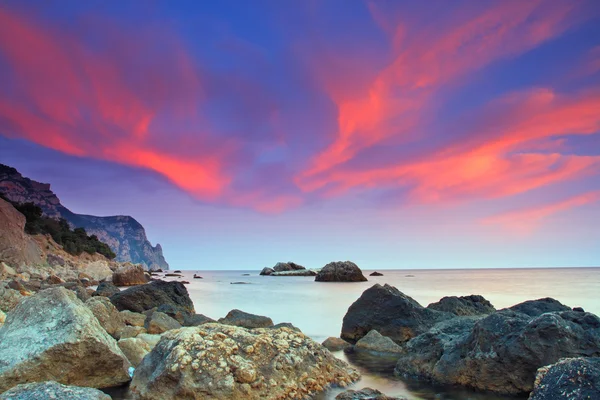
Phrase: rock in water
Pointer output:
(570, 378)
(52, 390)
(340, 271)
(335, 344)
(375, 342)
(152, 295)
(129, 275)
(391, 313)
(266, 271)
(287, 266)
(464, 305)
(135, 349)
(375, 273)
(365, 394)
(53, 336)
(227, 362)
(246, 320)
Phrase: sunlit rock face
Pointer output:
(125, 236)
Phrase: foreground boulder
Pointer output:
(246, 320)
(374, 342)
(340, 271)
(52, 390)
(153, 295)
(501, 352)
(365, 394)
(570, 378)
(391, 313)
(135, 349)
(129, 275)
(106, 313)
(464, 305)
(53, 336)
(229, 362)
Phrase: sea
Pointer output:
(317, 308)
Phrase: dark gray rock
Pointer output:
(340, 271)
(152, 295)
(52, 390)
(365, 394)
(287, 266)
(196, 320)
(533, 308)
(246, 320)
(391, 313)
(375, 274)
(570, 378)
(300, 272)
(106, 289)
(266, 271)
(464, 305)
(374, 342)
(157, 323)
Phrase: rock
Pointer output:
(81, 293)
(197, 276)
(55, 260)
(196, 320)
(18, 286)
(266, 271)
(375, 274)
(52, 335)
(230, 362)
(133, 318)
(159, 322)
(287, 266)
(335, 344)
(570, 378)
(376, 343)
(301, 272)
(52, 390)
(174, 312)
(97, 270)
(129, 275)
(464, 305)
(129, 331)
(176, 275)
(365, 394)
(2, 318)
(533, 308)
(135, 350)
(246, 320)
(240, 283)
(178, 271)
(391, 313)
(106, 289)
(151, 340)
(578, 309)
(503, 351)
(9, 298)
(16, 247)
(340, 271)
(54, 280)
(6, 272)
(146, 297)
(284, 325)
(107, 314)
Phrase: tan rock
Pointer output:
(6, 272)
(130, 331)
(135, 350)
(106, 313)
(16, 247)
(133, 318)
(2, 318)
(129, 275)
(9, 298)
(160, 322)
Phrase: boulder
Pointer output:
(129, 331)
(135, 349)
(340, 271)
(174, 312)
(54, 336)
(375, 273)
(146, 297)
(265, 271)
(503, 351)
(158, 322)
(6, 272)
(391, 313)
(54, 280)
(107, 314)
(570, 378)
(464, 305)
(97, 270)
(196, 320)
(81, 293)
(52, 390)
(287, 266)
(365, 394)
(229, 362)
(335, 344)
(54, 260)
(533, 308)
(151, 340)
(2, 318)
(9, 298)
(106, 289)
(129, 275)
(16, 247)
(246, 320)
(374, 342)
(133, 318)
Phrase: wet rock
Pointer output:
(135, 350)
(365, 394)
(106, 289)
(146, 297)
(570, 378)
(391, 313)
(196, 320)
(53, 335)
(266, 271)
(335, 344)
(246, 320)
(106, 313)
(533, 308)
(52, 390)
(129, 275)
(375, 274)
(133, 318)
(340, 271)
(376, 343)
(230, 362)
(464, 305)
(159, 322)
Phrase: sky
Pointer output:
(395, 134)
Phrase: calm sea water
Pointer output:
(317, 308)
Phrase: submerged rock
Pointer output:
(336, 344)
(464, 305)
(52, 390)
(570, 378)
(365, 394)
(54, 336)
(130, 275)
(376, 343)
(391, 313)
(153, 295)
(246, 320)
(340, 271)
(229, 362)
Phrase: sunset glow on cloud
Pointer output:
(493, 106)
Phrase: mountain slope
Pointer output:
(125, 236)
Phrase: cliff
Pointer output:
(125, 236)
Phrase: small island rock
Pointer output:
(340, 271)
